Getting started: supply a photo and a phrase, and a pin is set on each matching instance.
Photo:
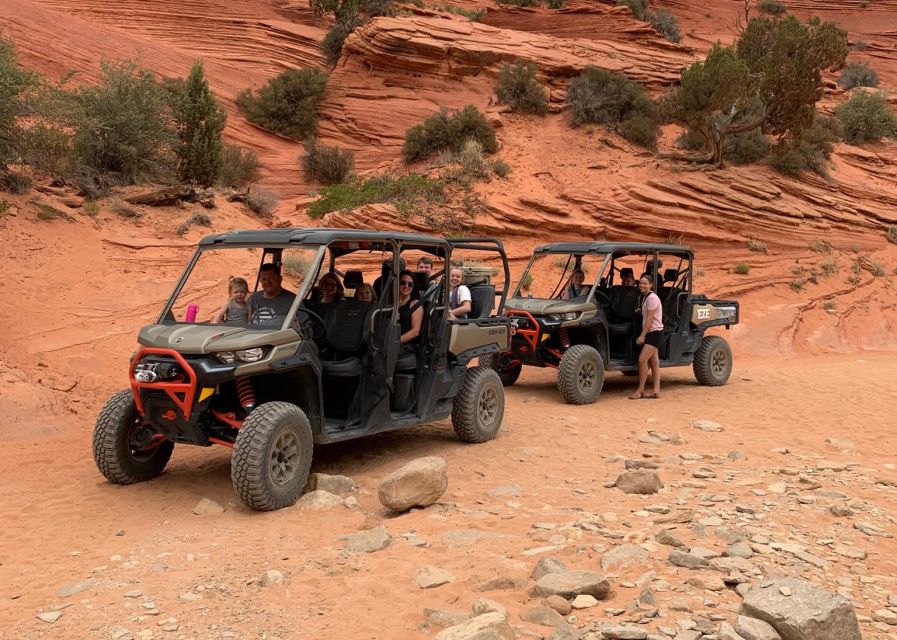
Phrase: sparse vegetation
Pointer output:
(294, 266)
(262, 202)
(756, 244)
(599, 96)
(402, 191)
(858, 74)
(746, 148)
(520, 3)
(121, 208)
(334, 39)
(829, 267)
(475, 15)
(798, 284)
(830, 306)
(328, 165)
(15, 183)
(877, 269)
(798, 270)
(198, 218)
(199, 120)
(859, 45)
(639, 8)
(891, 234)
(501, 168)
(4, 207)
(444, 130)
(46, 212)
(772, 7)
(867, 117)
(239, 167)
(742, 268)
(518, 88)
(665, 24)
(91, 208)
(821, 246)
(810, 151)
(286, 105)
(15, 86)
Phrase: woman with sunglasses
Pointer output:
(411, 313)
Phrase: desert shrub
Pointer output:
(555, 4)
(198, 218)
(199, 120)
(15, 84)
(745, 148)
(48, 149)
(520, 3)
(91, 208)
(891, 234)
(877, 269)
(239, 167)
(332, 44)
(294, 266)
(867, 117)
(4, 207)
(810, 152)
(599, 96)
(829, 267)
(858, 74)
(123, 209)
(17, 183)
(639, 8)
(402, 191)
(471, 161)
(443, 130)
(742, 268)
(518, 87)
(798, 284)
(772, 7)
(821, 246)
(859, 45)
(329, 165)
(474, 15)
(286, 105)
(501, 168)
(262, 202)
(123, 125)
(756, 244)
(690, 141)
(665, 24)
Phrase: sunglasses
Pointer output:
(406, 283)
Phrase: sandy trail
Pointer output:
(64, 523)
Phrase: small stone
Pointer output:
(559, 604)
(666, 537)
(621, 632)
(710, 583)
(489, 626)
(207, 507)
(272, 576)
(778, 487)
(430, 577)
(570, 584)
(623, 556)
(583, 602)
(753, 629)
(687, 560)
(639, 482)
(485, 605)
(708, 426)
(839, 511)
(72, 588)
(739, 550)
(443, 618)
(189, 597)
(736, 456)
(49, 616)
(542, 616)
(785, 591)
(547, 565)
(885, 615)
(339, 485)
(418, 483)
(318, 500)
(727, 632)
(136, 593)
(369, 540)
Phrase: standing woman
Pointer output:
(650, 339)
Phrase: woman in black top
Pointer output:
(411, 314)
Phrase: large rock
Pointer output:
(623, 556)
(809, 613)
(639, 482)
(339, 485)
(419, 483)
(570, 584)
(368, 541)
(754, 629)
(489, 626)
(727, 632)
(547, 565)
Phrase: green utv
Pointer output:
(323, 372)
(576, 309)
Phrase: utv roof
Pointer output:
(610, 247)
(312, 236)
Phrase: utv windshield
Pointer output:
(253, 287)
(560, 276)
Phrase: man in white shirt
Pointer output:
(459, 298)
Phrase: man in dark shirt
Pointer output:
(269, 307)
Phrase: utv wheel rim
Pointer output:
(487, 406)
(586, 377)
(141, 452)
(284, 458)
(719, 362)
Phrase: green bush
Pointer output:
(867, 117)
(599, 96)
(239, 167)
(555, 4)
(123, 125)
(17, 183)
(199, 120)
(15, 84)
(891, 234)
(690, 141)
(332, 44)
(742, 268)
(810, 152)
(858, 74)
(48, 149)
(474, 15)
(328, 165)
(286, 105)
(262, 201)
(520, 3)
(402, 191)
(639, 8)
(518, 88)
(444, 130)
(745, 148)
(501, 168)
(772, 7)
(665, 24)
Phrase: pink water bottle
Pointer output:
(192, 310)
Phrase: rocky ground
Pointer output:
(786, 472)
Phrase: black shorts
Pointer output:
(654, 338)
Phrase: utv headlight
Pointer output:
(226, 357)
(563, 317)
(250, 355)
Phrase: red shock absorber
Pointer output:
(246, 394)
(565, 338)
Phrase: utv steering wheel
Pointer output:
(311, 324)
(605, 302)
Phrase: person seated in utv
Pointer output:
(459, 299)
(411, 312)
(576, 288)
(332, 292)
(627, 278)
(269, 307)
(385, 271)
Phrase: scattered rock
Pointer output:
(318, 500)
(839, 511)
(72, 588)
(634, 465)
(489, 626)
(559, 604)
(542, 616)
(134, 593)
(189, 597)
(339, 485)
(49, 616)
(623, 556)
(419, 483)
(885, 615)
(639, 482)
(727, 632)
(272, 576)
(809, 614)
(710, 583)
(570, 584)
(707, 425)
(443, 618)
(666, 537)
(502, 583)
(739, 550)
(368, 541)
(207, 507)
(621, 632)
(547, 565)
(564, 632)
(583, 602)
(754, 629)
(430, 577)
(687, 560)
(485, 605)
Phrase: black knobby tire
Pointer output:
(479, 406)
(580, 374)
(272, 456)
(713, 362)
(116, 453)
(508, 374)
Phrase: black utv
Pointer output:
(308, 367)
(577, 309)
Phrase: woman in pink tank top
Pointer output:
(650, 339)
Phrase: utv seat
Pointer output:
(621, 315)
(353, 279)
(345, 344)
(669, 295)
(482, 300)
